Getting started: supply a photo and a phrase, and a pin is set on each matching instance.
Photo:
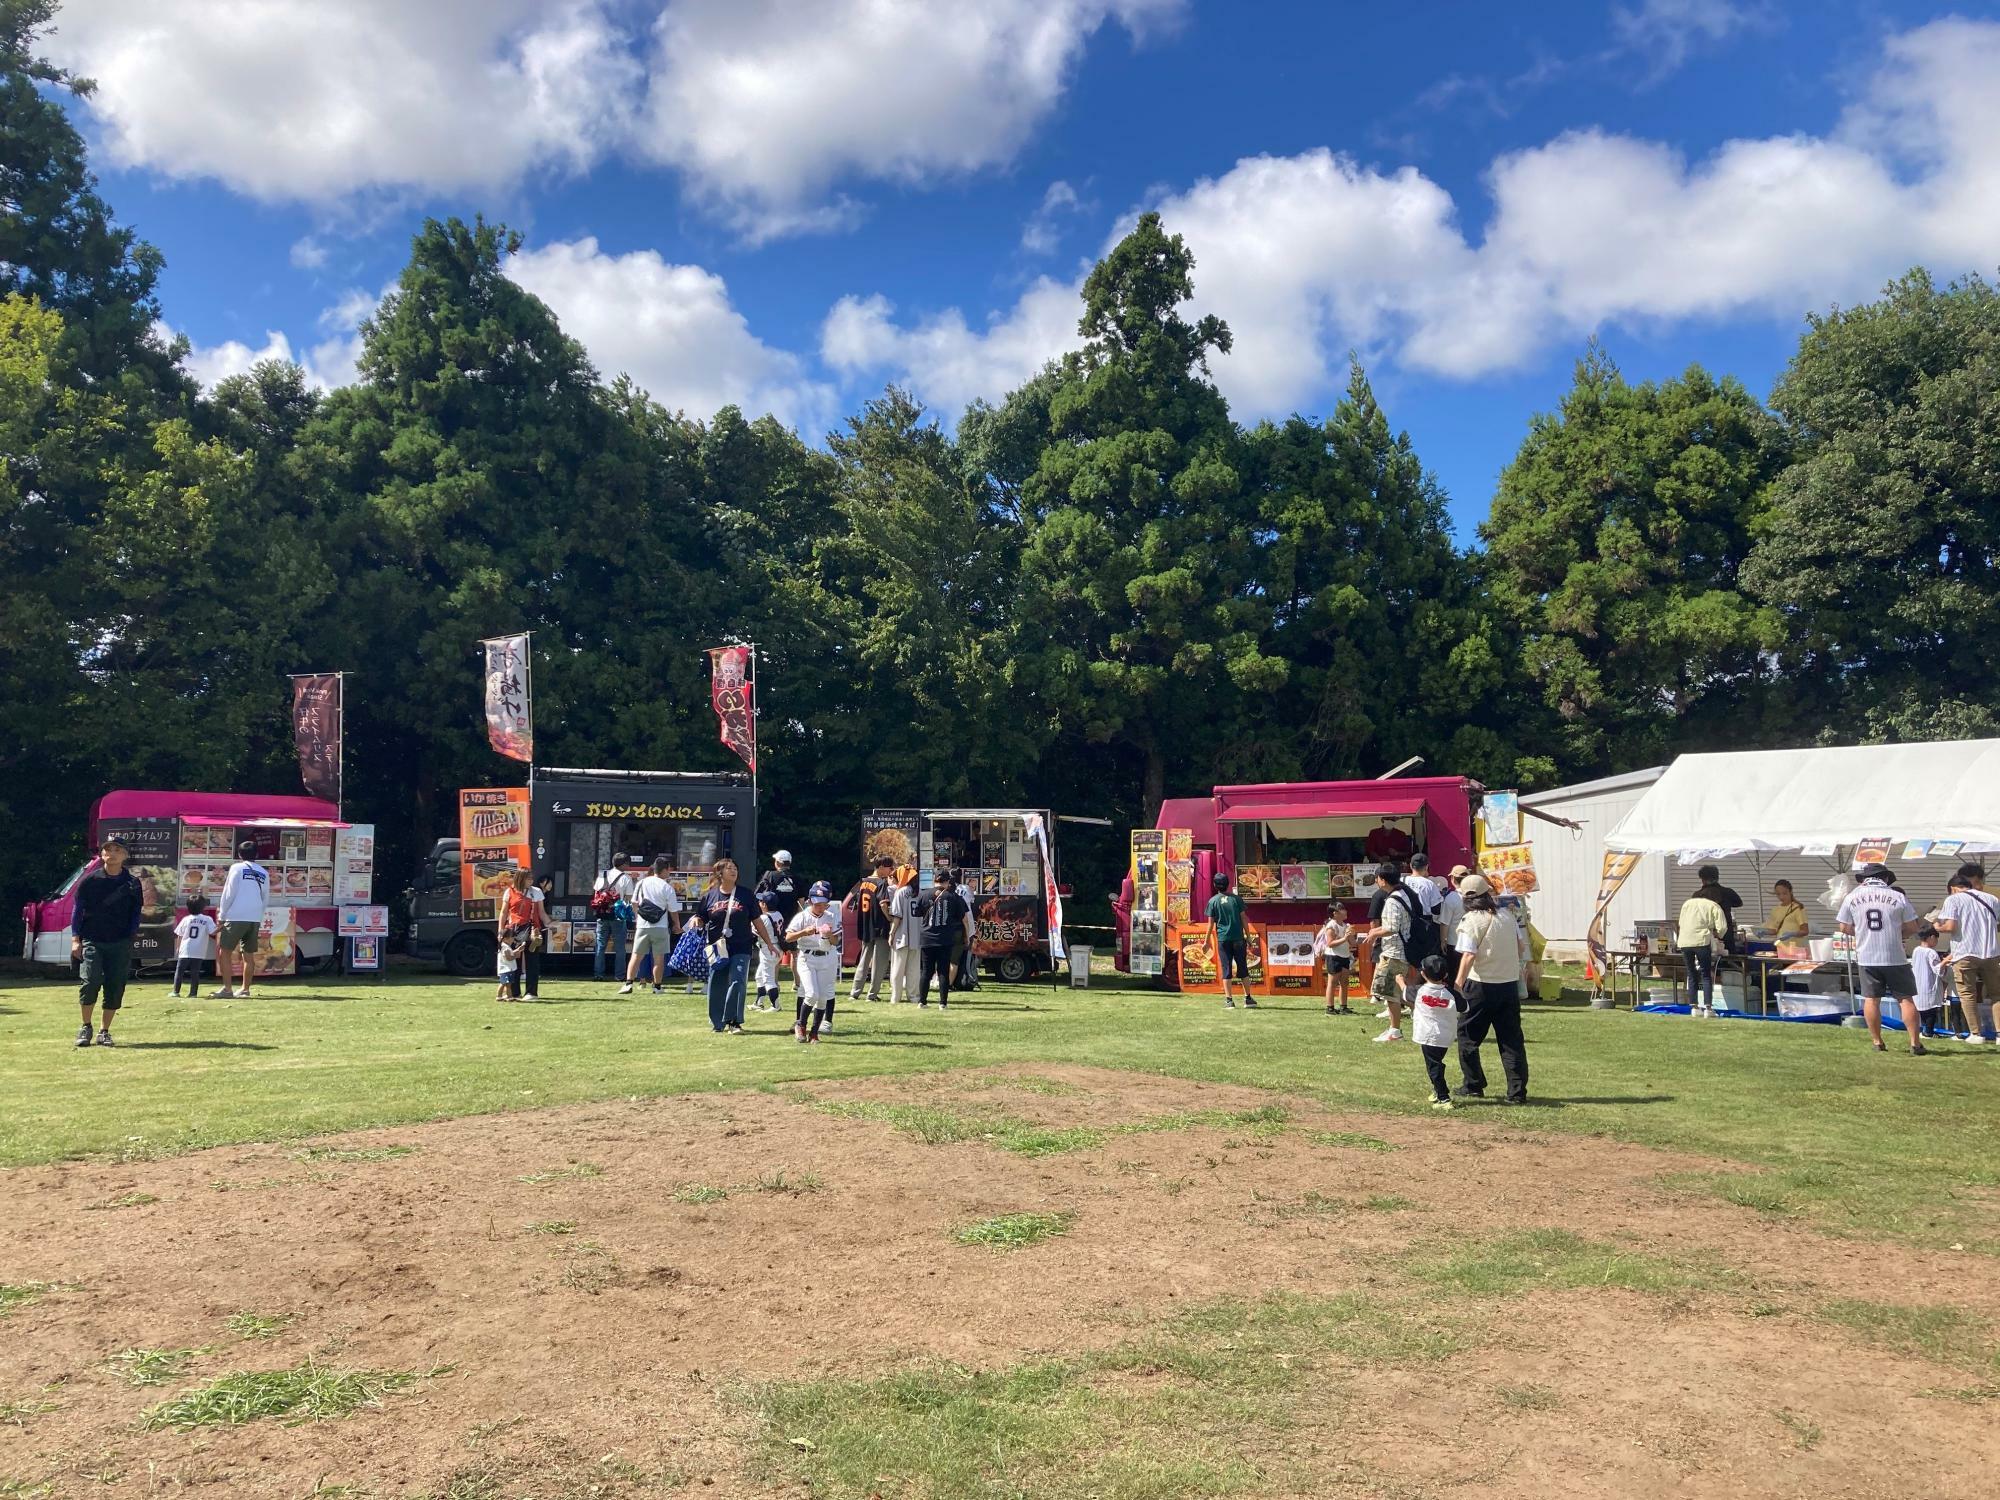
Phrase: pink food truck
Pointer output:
(184, 842)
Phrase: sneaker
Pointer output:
(1248, 1003)
(104, 1039)
(1381, 1015)
(83, 1035)
(798, 1033)
(1918, 1049)
(1331, 1011)
(659, 989)
(1393, 1034)
(531, 995)
(225, 993)
(1441, 1104)
(826, 1028)
(626, 989)
(1228, 1003)
(732, 1030)
(1514, 1099)
(1345, 1010)
(1465, 1093)
(812, 1041)
(1880, 1046)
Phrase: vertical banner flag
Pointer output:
(733, 692)
(1617, 867)
(316, 730)
(1147, 952)
(1038, 830)
(510, 711)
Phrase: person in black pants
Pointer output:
(941, 912)
(1493, 956)
(103, 922)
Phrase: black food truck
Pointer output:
(572, 824)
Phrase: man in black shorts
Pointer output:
(1880, 919)
(1226, 925)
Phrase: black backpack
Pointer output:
(1422, 941)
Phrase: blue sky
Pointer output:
(788, 204)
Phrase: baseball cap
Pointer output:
(1475, 885)
(782, 857)
(821, 891)
(1458, 872)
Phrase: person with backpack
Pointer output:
(1404, 935)
(779, 891)
(940, 913)
(869, 901)
(611, 907)
(657, 905)
(1972, 918)
(1494, 956)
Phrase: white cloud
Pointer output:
(766, 106)
(1308, 256)
(674, 330)
(1042, 235)
(1668, 31)
(943, 360)
(308, 254)
(301, 99)
(212, 364)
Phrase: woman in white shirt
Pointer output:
(1493, 959)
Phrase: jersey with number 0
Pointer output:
(1877, 913)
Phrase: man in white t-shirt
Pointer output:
(619, 883)
(656, 905)
(1881, 921)
(1971, 918)
(240, 915)
(1424, 883)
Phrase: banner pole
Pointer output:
(340, 747)
(756, 710)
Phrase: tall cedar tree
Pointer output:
(1136, 614)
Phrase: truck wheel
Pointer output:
(471, 954)
(1013, 968)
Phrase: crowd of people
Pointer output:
(1897, 954)
(1448, 952)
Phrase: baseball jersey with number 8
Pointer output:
(1877, 913)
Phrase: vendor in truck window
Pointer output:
(1387, 841)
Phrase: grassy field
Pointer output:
(1801, 1121)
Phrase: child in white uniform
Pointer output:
(815, 934)
(1434, 1026)
(196, 945)
(1929, 966)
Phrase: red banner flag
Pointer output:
(316, 730)
(733, 691)
(510, 712)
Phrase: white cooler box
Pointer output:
(1809, 1007)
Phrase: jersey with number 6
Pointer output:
(1877, 913)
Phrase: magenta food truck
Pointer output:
(184, 842)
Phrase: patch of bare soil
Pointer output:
(602, 1323)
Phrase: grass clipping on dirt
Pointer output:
(308, 1392)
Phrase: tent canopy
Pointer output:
(1794, 799)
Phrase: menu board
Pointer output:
(1340, 882)
(353, 864)
(1259, 883)
(1291, 957)
(492, 844)
(152, 848)
(1510, 869)
(305, 865)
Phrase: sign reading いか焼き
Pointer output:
(492, 844)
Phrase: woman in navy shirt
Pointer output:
(728, 916)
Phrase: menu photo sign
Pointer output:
(492, 845)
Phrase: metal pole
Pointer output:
(756, 711)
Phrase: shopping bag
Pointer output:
(690, 955)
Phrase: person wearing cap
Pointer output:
(1451, 909)
(618, 884)
(869, 902)
(103, 921)
(1881, 921)
(1493, 959)
(814, 933)
(239, 915)
(1972, 919)
(779, 890)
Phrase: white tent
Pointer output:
(1819, 798)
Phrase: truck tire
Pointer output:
(1013, 968)
(471, 954)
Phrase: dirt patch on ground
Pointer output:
(594, 1292)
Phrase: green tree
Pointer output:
(1393, 646)
(1614, 549)
(1882, 541)
(1135, 611)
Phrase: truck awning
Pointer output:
(1325, 818)
(257, 822)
